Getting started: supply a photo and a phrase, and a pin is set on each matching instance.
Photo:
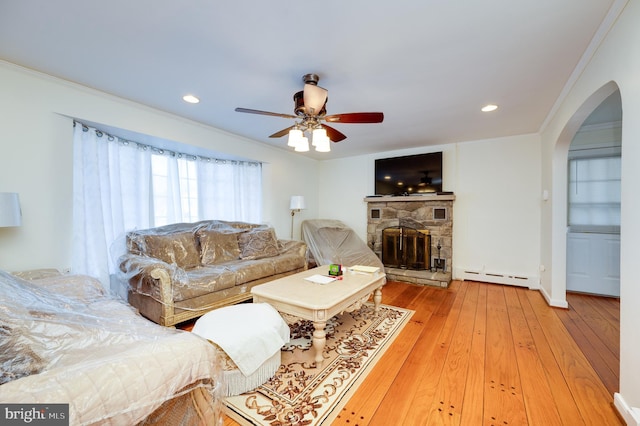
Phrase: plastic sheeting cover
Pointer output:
(63, 340)
(203, 257)
(331, 241)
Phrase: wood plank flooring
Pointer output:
(487, 354)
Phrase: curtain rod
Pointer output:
(161, 151)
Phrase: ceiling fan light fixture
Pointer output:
(320, 140)
(310, 109)
(314, 99)
(303, 145)
(295, 137)
(323, 145)
(318, 135)
(489, 108)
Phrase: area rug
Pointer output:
(299, 393)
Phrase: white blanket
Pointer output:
(122, 388)
(249, 333)
(95, 353)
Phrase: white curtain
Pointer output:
(217, 202)
(113, 192)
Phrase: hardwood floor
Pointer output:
(486, 354)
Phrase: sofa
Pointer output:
(63, 340)
(179, 272)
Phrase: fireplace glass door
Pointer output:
(406, 248)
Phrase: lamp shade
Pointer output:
(303, 145)
(10, 214)
(297, 202)
(321, 141)
(314, 98)
(295, 137)
(318, 135)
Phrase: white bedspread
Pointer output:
(121, 388)
(95, 353)
(249, 333)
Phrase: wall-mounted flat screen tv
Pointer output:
(409, 175)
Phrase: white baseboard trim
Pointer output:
(532, 283)
(553, 302)
(630, 415)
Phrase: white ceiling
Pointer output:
(428, 65)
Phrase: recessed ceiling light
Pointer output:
(191, 99)
(489, 108)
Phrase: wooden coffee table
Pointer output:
(293, 295)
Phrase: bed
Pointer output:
(63, 340)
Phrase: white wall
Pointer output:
(36, 160)
(617, 60)
(497, 207)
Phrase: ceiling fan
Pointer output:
(310, 109)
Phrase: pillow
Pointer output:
(258, 243)
(76, 286)
(178, 248)
(218, 247)
(36, 274)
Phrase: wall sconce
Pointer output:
(296, 204)
(10, 213)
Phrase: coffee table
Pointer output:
(294, 295)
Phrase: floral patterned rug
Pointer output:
(300, 394)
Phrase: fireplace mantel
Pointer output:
(405, 198)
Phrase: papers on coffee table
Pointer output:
(364, 268)
(320, 279)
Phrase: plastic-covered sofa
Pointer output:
(331, 241)
(178, 272)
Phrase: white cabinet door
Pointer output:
(593, 263)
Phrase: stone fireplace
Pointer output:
(418, 233)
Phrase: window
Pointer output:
(188, 190)
(165, 199)
(120, 185)
(594, 194)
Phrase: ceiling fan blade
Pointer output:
(314, 98)
(282, 132)
(355, 117)
(333, 134)
(257, 111)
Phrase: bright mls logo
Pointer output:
(35, 414)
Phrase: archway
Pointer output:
(594, 193)
(559, 190)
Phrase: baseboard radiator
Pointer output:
(520, 280)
